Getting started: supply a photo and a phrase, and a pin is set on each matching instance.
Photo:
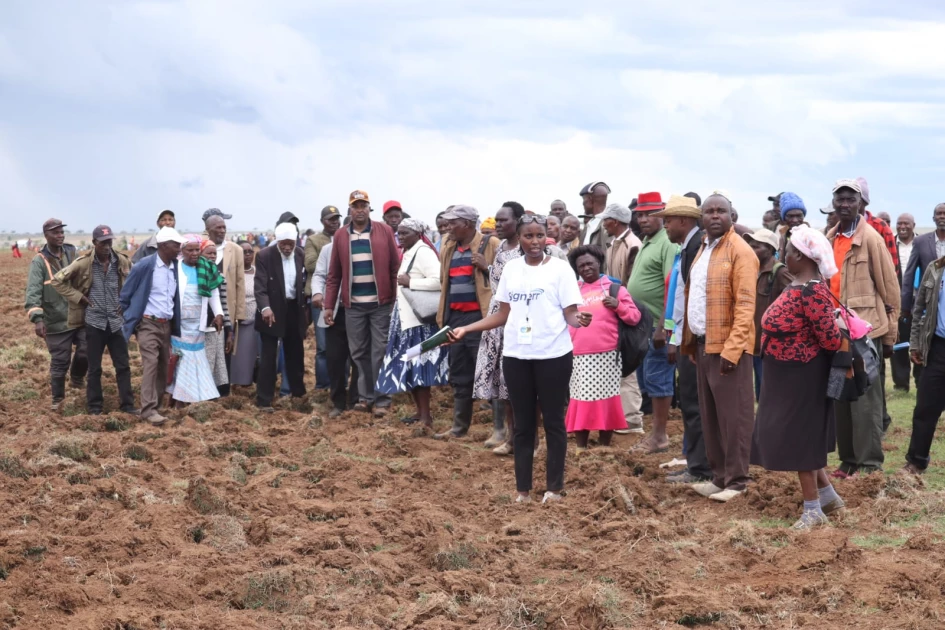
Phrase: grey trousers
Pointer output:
(368, 326)
(860, 431)
(61, 356)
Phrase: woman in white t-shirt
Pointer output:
(538, 299)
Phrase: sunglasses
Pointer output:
(532, 218)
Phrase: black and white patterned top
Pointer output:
(103, 296)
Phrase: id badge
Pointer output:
(525, 334)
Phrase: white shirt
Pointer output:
(288, 271)
(698, 278)
(592, 227)
(220, 249)
(163, 287)
(538, 296)
(905, 250)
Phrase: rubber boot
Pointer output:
(462, 418)
(498, 424)
(58, 386)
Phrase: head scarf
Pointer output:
(488, 224)
(814, 245)
(192, 238)
(790, 201)
(414, 225)
(205, 242)
(286, 232)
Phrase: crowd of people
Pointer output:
(771, 342)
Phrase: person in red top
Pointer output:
(879, 225)
(799, 333)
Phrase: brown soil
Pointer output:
(230, 519)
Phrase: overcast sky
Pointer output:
(111, 111)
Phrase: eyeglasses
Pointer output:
(533, 218)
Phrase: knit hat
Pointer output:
(790, 201)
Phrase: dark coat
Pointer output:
(270, 291)
(923, 255)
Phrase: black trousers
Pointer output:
(96, 341)
(294, 359)
(533, 384)
(224, 390)
(900, 363)
(342, 390)
(929, 405)
(688, 387)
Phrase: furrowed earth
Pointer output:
(226, 518)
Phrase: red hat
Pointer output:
(392, 204)
(649, 201)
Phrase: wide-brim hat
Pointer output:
(679, 206)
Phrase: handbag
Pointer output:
(172, 360)
(424, 304)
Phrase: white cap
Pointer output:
(286, 232)
(168, 233)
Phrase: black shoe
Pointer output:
(95, 412)
(131, 411)
(266, 409)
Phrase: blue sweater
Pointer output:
(136, 291)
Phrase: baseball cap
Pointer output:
(52, 224)
(765, 236)
(392, 204)
(358, 195)
(170, 212)
(102, 233)
(330, 211)
(216, 212)
(847, 183)
(287, 217)
(168, 234)
(617, 212)
(776, 197)
(467, 213)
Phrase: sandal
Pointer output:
(410, 420)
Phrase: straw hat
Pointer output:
(679, 206)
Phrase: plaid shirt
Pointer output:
(730, 300)
(888, 237)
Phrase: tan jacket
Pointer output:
(313, 248)
(868, 282)
(730, 300)
(483, 288)
(75, 281)
(235, 278)
(618, 256)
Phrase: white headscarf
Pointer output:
(286, 232)
(814, 245)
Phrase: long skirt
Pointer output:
(243, 361)
(794, 424)
(489, 382)
(193, 380)
(595, 393)
(430, 369)
(215, 343)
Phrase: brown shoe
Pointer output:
(912, 469)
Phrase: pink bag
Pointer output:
(855, 325)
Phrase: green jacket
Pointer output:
(43, 303)
(926, 303)
(74, 282)
(313, 248)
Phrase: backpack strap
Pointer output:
(483, 244)
(774, 274)
(615, 289)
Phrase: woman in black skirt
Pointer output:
(794, 426)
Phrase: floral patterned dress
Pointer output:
(489, 383)
(794, 424)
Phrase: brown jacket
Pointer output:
(868, 282)
(75, 281)
(618, 263)
(730, 300)
(483, 288)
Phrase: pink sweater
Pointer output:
(603, 335)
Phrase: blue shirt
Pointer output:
(940, 323)
(163, 288)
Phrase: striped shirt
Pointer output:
(103, 295)
(462, 291)
(363, 287)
